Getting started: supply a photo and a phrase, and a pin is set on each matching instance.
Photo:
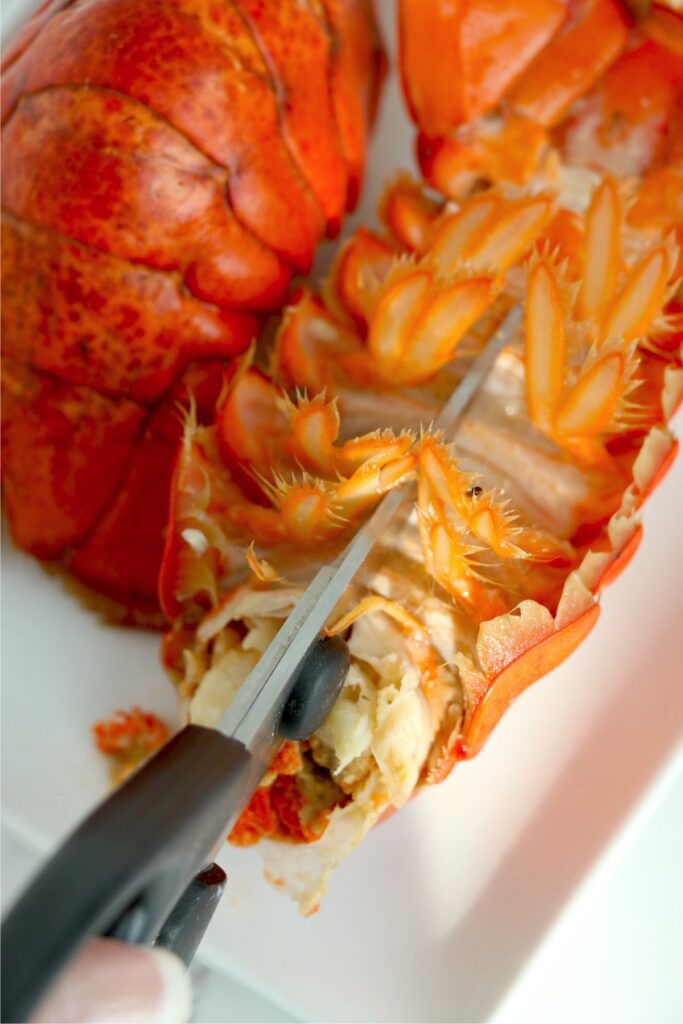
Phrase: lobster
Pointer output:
(520, 522)
(168, 167)
(518, 526)
(550, 184)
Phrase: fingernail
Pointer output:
(176, 996)
(110, 981)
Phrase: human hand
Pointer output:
(111, 981)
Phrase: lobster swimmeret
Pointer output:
(168, 166)
(551, 132)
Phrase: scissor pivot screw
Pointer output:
(316, 688)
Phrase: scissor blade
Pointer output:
(254, 712)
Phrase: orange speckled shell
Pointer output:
(168, 165)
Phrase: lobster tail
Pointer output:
(167, 168)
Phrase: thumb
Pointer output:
(111, 982)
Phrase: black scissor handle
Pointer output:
(124, 869)
(124, 872)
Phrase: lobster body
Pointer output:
(584, 78)
(168, 167)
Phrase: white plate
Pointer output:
(437, 913)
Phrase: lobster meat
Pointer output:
(167, 168)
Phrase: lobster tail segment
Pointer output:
(168, 167)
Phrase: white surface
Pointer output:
(616, 955)
(439, 914)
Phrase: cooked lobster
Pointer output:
(519, 522)
(550, 135)
(168, 166)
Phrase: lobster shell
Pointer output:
(169, 165)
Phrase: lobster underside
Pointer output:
(518, 522)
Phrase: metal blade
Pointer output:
(254, 712)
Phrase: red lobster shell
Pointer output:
(168, 166)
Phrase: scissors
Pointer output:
(139, 868)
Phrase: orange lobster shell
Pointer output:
(598, 81)
(168, 166)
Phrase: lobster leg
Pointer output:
(418, 322)
(601, 253)
(545, 345)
